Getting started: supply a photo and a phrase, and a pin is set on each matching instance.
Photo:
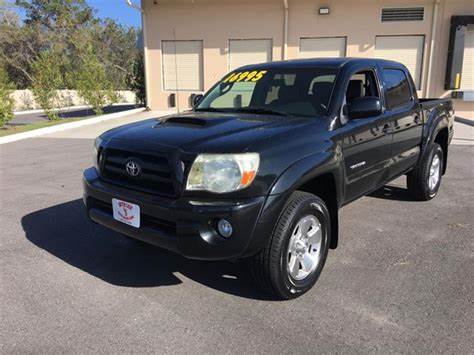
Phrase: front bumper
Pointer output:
(185, 226)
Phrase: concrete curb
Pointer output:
(66, 109)
(464, 120)
(64, 126)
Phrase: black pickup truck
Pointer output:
(259, 168)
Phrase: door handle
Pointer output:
(417, 119)
(386, 128)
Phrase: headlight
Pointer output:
(95, 152)
(222, 173)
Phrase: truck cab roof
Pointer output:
(322, 62)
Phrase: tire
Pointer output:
(270, 268)
(424, 181)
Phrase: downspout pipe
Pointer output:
(434, 23)
(284, 55)
(145, 57)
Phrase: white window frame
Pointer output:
(331, 37)
(248, 39)
(201, 69)
(418, 85)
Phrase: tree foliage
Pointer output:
(47, 80)
(92, 82)
(65, 26)
(136, 80)
(6, 102)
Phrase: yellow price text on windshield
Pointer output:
(253, 76)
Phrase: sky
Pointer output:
(115, 9)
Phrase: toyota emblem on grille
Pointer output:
(133, 169)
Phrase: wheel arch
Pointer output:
(442, 138)
(436, 130)
(324, 186)
(322, 175)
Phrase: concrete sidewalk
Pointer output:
(463, 134)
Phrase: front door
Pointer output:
(366, 142)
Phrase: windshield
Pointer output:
(289, 91)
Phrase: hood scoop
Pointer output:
(187, 120)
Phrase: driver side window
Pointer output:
(361, 84)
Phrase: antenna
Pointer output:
(176, 69)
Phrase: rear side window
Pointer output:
(397, 88)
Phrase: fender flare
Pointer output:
(431, 130)
(290, 180)
(309, 168)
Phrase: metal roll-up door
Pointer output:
(182, 65)
(407, 50)
(249, 51)
(467, 75)
(322, 47)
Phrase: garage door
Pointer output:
(249, 51)
(322, 47)
(467, 78)
(182, 65)
(405, 49)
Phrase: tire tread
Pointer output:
(263, 266)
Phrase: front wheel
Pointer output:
(424, 181)
(295, 254)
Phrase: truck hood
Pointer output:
(204, 131)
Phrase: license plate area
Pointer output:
(126, 212)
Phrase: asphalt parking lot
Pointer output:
(402, 279)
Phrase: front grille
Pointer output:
(146, 221)
(156, 176)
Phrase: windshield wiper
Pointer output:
(263, 110)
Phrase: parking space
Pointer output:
(401, 279)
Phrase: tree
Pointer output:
(6, 102)
(47, 80)
(116, 46)
(92, 82)
(66, 27)
(136, 80)
(47, 24)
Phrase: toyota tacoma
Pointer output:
(259, 167)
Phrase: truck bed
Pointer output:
(428, 103)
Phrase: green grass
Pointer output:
(7, 130)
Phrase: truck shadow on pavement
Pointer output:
(394, 193)
(65, 232)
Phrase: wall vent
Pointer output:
(403, 14)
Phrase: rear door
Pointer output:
(404, 112)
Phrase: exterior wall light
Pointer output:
(324, 10)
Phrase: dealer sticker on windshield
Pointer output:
(126, 212)
(236, 77)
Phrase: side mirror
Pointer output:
(196, 99)
(363, 107)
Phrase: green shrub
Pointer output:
(92, 83)
(6, 102)
(136, 80)
(47, 80)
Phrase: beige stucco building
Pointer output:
(190, 44)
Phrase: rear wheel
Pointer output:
(424, 181)
(295, 254)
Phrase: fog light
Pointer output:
(225, 228)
